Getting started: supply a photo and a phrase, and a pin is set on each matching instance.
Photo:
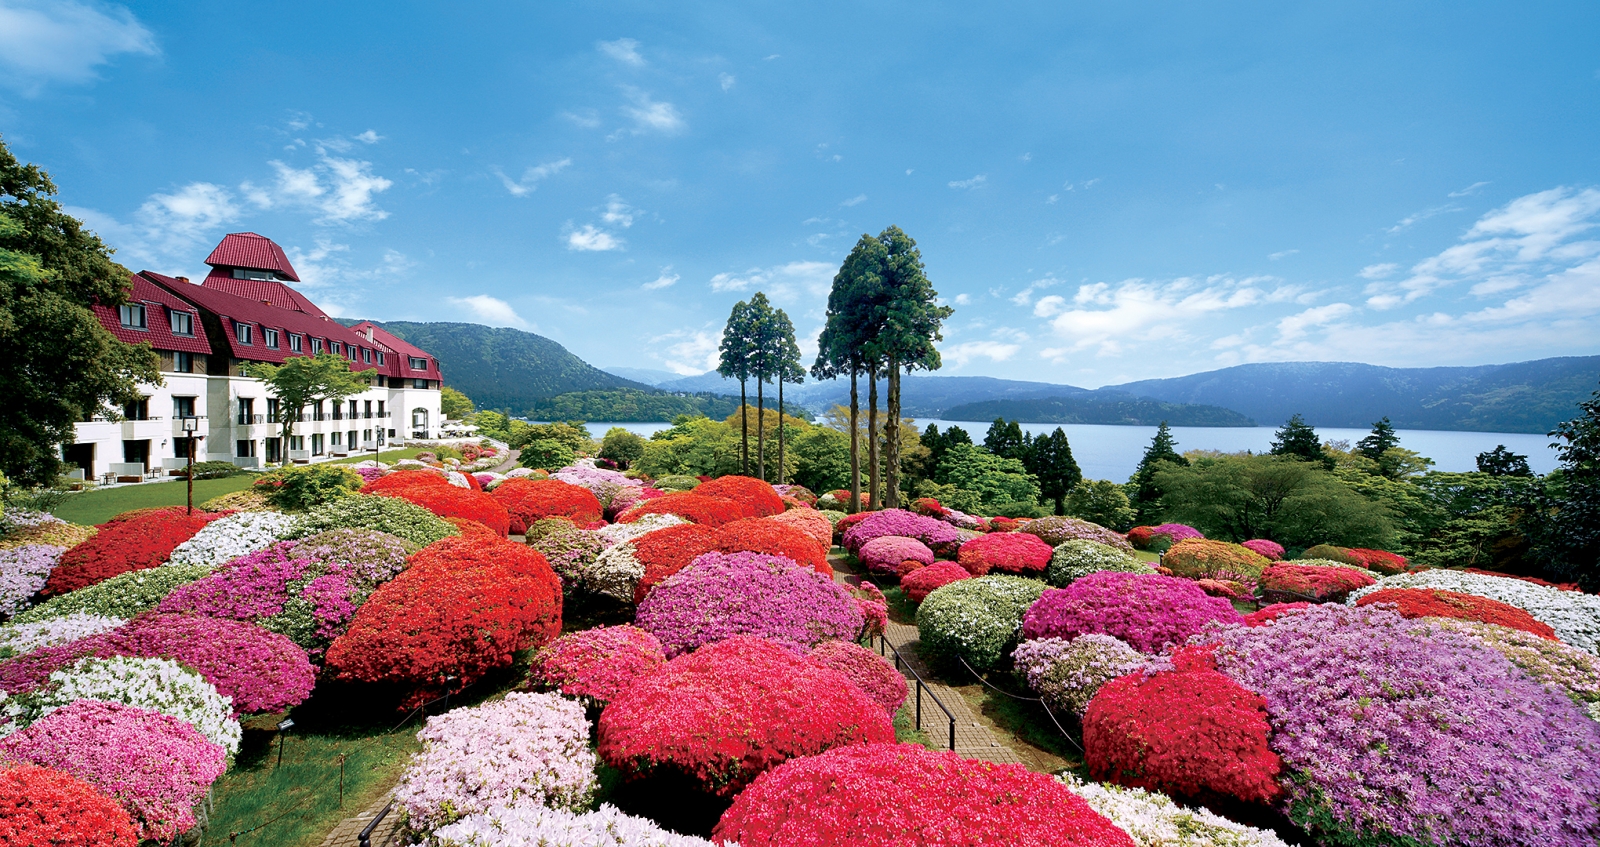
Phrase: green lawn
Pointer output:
(387, 456)
(94, 507)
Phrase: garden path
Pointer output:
(348, 832)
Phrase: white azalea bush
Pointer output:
(19, 638)
(121, 596)
(614, 534)
(615, 573)
(1155, 820)
(226, 539)
(1575, 617)
(528, 825)
(160, 685)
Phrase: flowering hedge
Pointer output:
(721, 595)
(1551, 662)
(691, 506)
(726, 713)
(16, 639)
(884, 554)
(1362, 700)
(531, 825)
(1149, 611)
(763, 535)
(43, 806)
(1290, 582)
(602, 483)
(380, 514)
(526, 747)
(664, 552)
(1271, 549)
(1067, 674)
(160, 685)
(870, 672)
(118, 597)
(614, 534)
(1058, 530)
(1268, 614)
(924, 581)
(1343, 555)
(462, 608)
(1438, 603)
(129, 542)
(934, 533)
(1007, 552)
(873, 605)
(1156, 820)
(529, 500)
(1189, 731)
(448, 501)
(1575, 617)
(1076, 559)
(976, 620)
(810, 521)
(233, 536)
(1204, 558)
(758, 496)
(629, 496)
(598, 663)
(56, 533)
(156, 766)
(23, 571)
(903, 795)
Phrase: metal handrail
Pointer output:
(899, 661)
(365, 838)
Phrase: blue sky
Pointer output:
(1103, 194)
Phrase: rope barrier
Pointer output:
(1039, 700)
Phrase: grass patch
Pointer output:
(1047, 750)
(1147, 556)
(387, 456)
(905, 723)
(95, 507)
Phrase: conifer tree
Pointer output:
(852, 322)
(1297, 439)
(735, 363)
(1382, 438)
(911, 323)
(789, 370)
(1144, 492)
(1049, 457)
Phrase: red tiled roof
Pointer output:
(249, 250)
(158, 330)
(234, 310)
(274, 292)
(402, 351)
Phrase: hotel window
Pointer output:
(380, 357)
(335, 348)
(182, 362)
(366, 355)
(182, 323)
(244, 449)
(244, 273)
(132, 316)
(270, 336)
(183, 407)
(242, 332)
(418, 364)
(294, 342)
(419, 383)
(316, 346)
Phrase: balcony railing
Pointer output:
(247, 420)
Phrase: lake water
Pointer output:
(1112, 452)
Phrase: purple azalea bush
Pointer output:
(1396, 731)
(1057, 530)
(1176, 532)
(1150, 612)
(930, 531)
(883, 555)
(720, 595)
(23, 571)
(1067, 674)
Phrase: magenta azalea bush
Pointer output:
(883, 555)
(870, 672)
(1176, 532)
(23, 571)
(158, 767)
(720, 595)
(598, 663)
(1396, 731)
(1148, 611)
(1271, 549)
(930, 531)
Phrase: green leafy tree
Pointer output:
(622, 447)
(58, 363)
(573, 434)
(546, 454)
(1101, 501)
(1296, 503)
(693, 446)
(912, 320)
(822, 458)
(1568, 538)
(765, 365)
(853, 318)
(453, 404)
(789, 369)
(1049, 458)
(1503, 462)
(736, 352)
(1298, 440)
(1380, 440)
(1145, 491)
(303, 380)
(995, 479)
(297, 489)
(1005, 438)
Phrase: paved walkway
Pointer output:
(347, 833)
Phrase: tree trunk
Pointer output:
(744, 433)
(855, 444)
(891, 459)
(873, 468)
(761, 429)
(780, 432)
(1061, 504)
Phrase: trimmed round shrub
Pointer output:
(527, 747)
(870, 672)
(1381, 561)
(897, 522)
(1430, 702)
(43, 806)
(1006, 552)
(976, 620)
(725, 714)
(448, 501)
(1268, 614)
(533, 825)
(904, 795)
(118, 597)
(158, 767)
(1438, 603)
(721, 595)
(1289, 582)
(1067, 674)
(1188, 731)
(691, 506)
(381, 514)
(17, 639)
(1343, 555)
(924, 581)
(614, 534)
(1058, 530)
(664, 552)
(764, 535)
(129, 542)
(759, 497)
(1204, 558)
(816, 524)
(23, 571)
(602, 483)
(1156, 820)
(1075, 559)
(598, 663)
(1174, 532)
(247, 500)
(461, 608)
(677, 482)
(529, 500)
(1271, 549)
(884, 554)
(571, 552)
(159, 685)
(1149, 611)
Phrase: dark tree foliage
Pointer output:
(854, 315)
(1297, 439)
(912, 319)
(1050, 459)
(1382, 438)
(735, 349)
(1503, 462)
(1006, 439)
(625, 405)
(1568, 538)
(1143, 489)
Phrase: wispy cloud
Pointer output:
(339, 190)
(691, 352)
(531, 177)
(727, 80)
(65, 41)
(590, 238)
(784, 281)
(1107, 318)
(1295, 326)
(962, 299)
(976, 182)
(617, 212)
(168, 228)
(490, 310)
(1282, 254)
(369, 137)
(961, 354)
(1469, 190)
(652, 115)
(1379, 271)
(624, 50)
(1025, 296)
(665, 280)
(1406, 222)
(855, 201)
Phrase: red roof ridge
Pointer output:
(253, 251)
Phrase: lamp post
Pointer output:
(191, 425)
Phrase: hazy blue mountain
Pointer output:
(1097, 407)
(648, 376)
(920, 396)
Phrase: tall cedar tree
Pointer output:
(303, 380)
(1382, 438)
(911, 322)
(1006, 439)
(764, 350)
(852, 311)
(1503, 462)
(1049, 458)
(789, 370)
(58, 363)
(735, 363)
(1568, 537)
(1298, 439)
(1146, 492)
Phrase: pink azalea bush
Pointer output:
(883, 555)
(1148, 611)
(598, 663)
(1057, 530)
(870, 672)
(1067, 674)
(1271, 549)
(930, 531)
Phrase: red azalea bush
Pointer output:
(1140, 536)
(764, 535)
(848, 521)
(1006, 552)
(1189, 731)
(1381, 561)
(929, 506)
(1268, 614)
(447, 501)
(759, 497)
(666, 551)
(732, 710)
(920, 583)
(1563, 586)
(1438, 603)
(472, 529)
(42, 807)
(692, 506)
(1149, 611)
(811, 522)
(598, 663)
(1271, 549)
(870, 672)
(131, 541)
(904, 795)
(529, 500)
(401, 480)
(888, 554)
(1282, 581)
(462, 608)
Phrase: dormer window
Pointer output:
(295, 341)
(316, 346)
(132, 316)
(380, 357)
(418, 364)
(366, 355)
(247, 273)
(335, 347)
(182, 322)
(242, 332)
(270, 336)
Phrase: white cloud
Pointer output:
(490, 310)
(727, 80)
(1406, 222)
(1052, 199)
(592, 239)
(855, 201)
(617, 212)
(665, 280)
(168, 228)
(691, 353)
(960, 354)
(1282, 254)
(963, 299)
(64, 41)
(1025, 296)
(624, 50)
(1295, 326)
(652, 116)
(1049, 307)
(588, 118)
(976, 182)
(1107, 318)
(1379, 271)
(531, 177)
(788, 281)
(1469, 190)
(369, 137)
(338, 190)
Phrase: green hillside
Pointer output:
(629, 405)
